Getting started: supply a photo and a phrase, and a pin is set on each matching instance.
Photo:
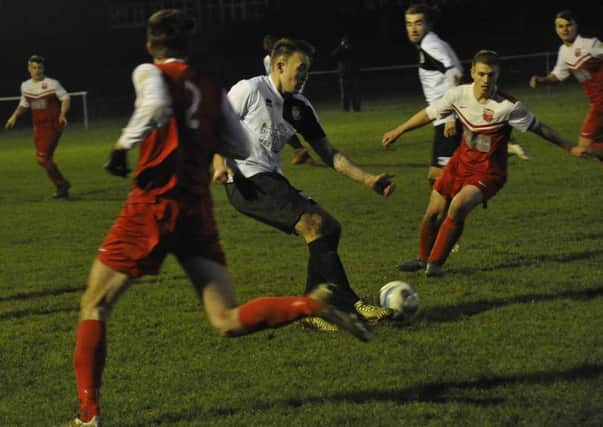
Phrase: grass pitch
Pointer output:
(511, 336)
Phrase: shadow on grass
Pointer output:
(533, 260)
(40, 294)
(435, 392)
(35, 312)
(459, 311)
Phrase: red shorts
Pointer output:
(145, 232)
(453, 178)
(592, 128)
(46, 140)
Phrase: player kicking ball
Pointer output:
(180, 120)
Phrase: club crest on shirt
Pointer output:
(488, 115)
(296, 113)
(578, 52)
(44, 86)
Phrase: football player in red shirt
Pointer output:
(581, 57)
(49, 103)
(478, 168)
(180, 120)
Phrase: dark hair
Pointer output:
(169, 33)
(485, 56)
(268, 42)
(37, 59)
(567, 14)
(421, 8)
(286, 47)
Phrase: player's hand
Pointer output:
(383, 184)
(389, 137)
(221, 175)
(517, 150)
(533, 82)
(449, 128)
(10, 123)
(117, 163)
(63, 122)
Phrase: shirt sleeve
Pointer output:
(443, 107)
(561, 70)
(240, 97)
(520, 118)
(23, 102)
(234, 141)
(153, 106)
(597, 48)
(60, 91)
(301, 115)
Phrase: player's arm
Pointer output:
(419, 119)
(551, 135)
(13, 118)
(382, 183)
(65, 105)
(221, 171)
(549, 79)
(152, 110)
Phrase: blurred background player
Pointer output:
(348, 70)
(478, 168)
(272, 109)
(301, 154)
(179, 120)
(582, 57)
(49, 103)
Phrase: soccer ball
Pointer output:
(400, 297)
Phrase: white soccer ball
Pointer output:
(400, 297)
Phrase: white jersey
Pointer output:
(486, 126)
(43, 98)
(583, 59)
(259, 105)
(438, 66)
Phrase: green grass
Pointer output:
(511, 336)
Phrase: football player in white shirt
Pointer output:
(49, 103)
(582, 57)
(439, 70)
(301, 155)
(272, 110)
(478, 169)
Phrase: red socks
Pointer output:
(89, 362)
(449, 234)
(270, 312)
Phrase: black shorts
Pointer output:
(444, 147)
(269, 198)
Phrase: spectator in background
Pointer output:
(49, 103)
(348, 71)
(582, 57)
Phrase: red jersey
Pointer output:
(43, 97)
(486, 127)
(175, 156)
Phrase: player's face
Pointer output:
(484, 78)
(36, 71)
(294, 72)
(416, 27)
(566, 30)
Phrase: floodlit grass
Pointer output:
(511, 336)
